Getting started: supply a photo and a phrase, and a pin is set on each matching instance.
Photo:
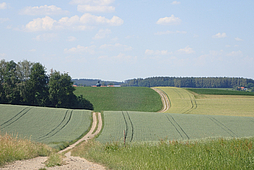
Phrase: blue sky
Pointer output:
(120, 40)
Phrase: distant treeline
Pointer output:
(27, 83)
(192, 82)
(91, 82)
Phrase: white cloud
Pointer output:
(119, 58)
(94, 2)
(89, 8)
(71, 38)
(220, 35)
(238, 39)
(116, 46)
(2, 20)
(41, 24)
(75, 22)
(102, 33)
(157, 52)
(175, 3)
(43, 10)
(81, 49)
(32, 50)
(170, 32)
(3, 5)
(186, 50)
(235, 53)
(46, 37)
(88, 18)
(169, 20)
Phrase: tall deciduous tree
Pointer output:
(61, 90)
(36, 86)
(10, 83)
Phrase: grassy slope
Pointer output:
(124, 98)
(152, 127)
(215, 154)
(184, 101)
(55, 127)
(13, 148)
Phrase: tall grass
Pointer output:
(212, 154)
(13, 148)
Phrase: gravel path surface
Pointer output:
(71, 162)
(164, 99)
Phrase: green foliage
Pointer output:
(36, 87)
(55, 127)
(121, 98)
(210, 154)
(220, 92)
(61, 90)
(27, 83)
(54, 159)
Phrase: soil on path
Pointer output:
(71, 162)
(164, 99)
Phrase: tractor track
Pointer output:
(15, 118)
(224, 127)
(48, 135)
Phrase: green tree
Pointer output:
(36, 90)
(61, 90)
(10, 81)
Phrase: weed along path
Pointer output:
(164, 99)
(71, 162)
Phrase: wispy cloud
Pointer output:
(102, 34)
(74, 22)
(172, 20)
(186, 50)
(116, 46)
(220, 35)
(93, 2)
(43, 10)
(157, 52)
(175, 2)
(238, 39)
(3, 5)
(89, 8)
(170, 32)
(46, 37)
(71, 38)
(81, 49)
(2, 20)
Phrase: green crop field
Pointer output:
(184, 101)
(121, 98)
(52, 126)
(152, 127)
(219, 91)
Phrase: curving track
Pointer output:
(164, 99)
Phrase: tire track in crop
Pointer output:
(181, 97)
(132, 127)
(177, 125)
(52, 133)
(193, 104)
(174, 126)
(224, 127)
(15, 118)
(126, 127)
